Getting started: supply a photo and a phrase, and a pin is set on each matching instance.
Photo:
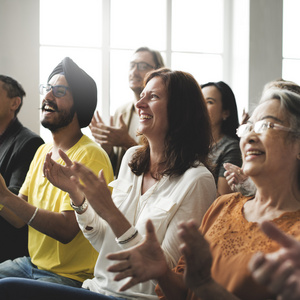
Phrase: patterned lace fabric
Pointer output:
(230, 231)
(233, 241)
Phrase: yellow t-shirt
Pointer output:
(76, 259)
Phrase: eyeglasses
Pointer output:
(259, 127)
(57, 90)
(141, 66)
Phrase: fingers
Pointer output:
(277, 235)
(189, 234)
(121, 255)
(99, 117)
(119, 267)
(264, 272)
(132, 282)
(65, 158)
(47, 164)
(232, 168)
(85, 174)
(256, 261)
(280, 276)
(122, 123)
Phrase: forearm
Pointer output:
(59, 226)
(117, 222)
(129, 142)
(211, 290)
(172, 285)
(11, 205)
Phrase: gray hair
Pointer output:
(290, 103)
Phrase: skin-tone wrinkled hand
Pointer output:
(60, 176)
(234, 175)
(110, 136)
(142, 263)
(197, 255)
(278, 271)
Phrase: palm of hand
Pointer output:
(197, 257)
(148, 262)
(59, 176)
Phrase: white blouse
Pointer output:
(167, 203)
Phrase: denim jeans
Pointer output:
(22, 267)
(26, 289)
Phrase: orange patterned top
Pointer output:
(233, 240)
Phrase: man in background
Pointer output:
(122, 134)
(18, 145)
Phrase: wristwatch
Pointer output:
(80, 208)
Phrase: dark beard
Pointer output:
(64, 120)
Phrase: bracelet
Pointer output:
(81, 208)
(129, 239)
(33, 216)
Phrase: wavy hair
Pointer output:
(188, 139)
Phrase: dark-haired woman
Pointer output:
(165, 180)
(221, 105)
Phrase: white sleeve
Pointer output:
(92, 226)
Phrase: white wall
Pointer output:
(19, 53)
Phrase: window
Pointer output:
(291, 42)
(101, 35)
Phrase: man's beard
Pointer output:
(65, 118)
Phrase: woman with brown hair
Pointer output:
(165, 180)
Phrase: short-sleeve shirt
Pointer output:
(76, 259)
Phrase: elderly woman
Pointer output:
(215, 264)
(234, 175)
(165, 180)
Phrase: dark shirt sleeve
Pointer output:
(231, 154)
(21, 163)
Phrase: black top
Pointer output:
(17, 148)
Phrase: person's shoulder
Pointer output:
(198, 172)
(230, 141)
(86, 144)
(124, 107)
(130, 152)
(29, 132)
(232, 200)
(25, 134)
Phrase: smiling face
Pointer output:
(136, 76)
(57, 113)
(272, 152)
(152, 110)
